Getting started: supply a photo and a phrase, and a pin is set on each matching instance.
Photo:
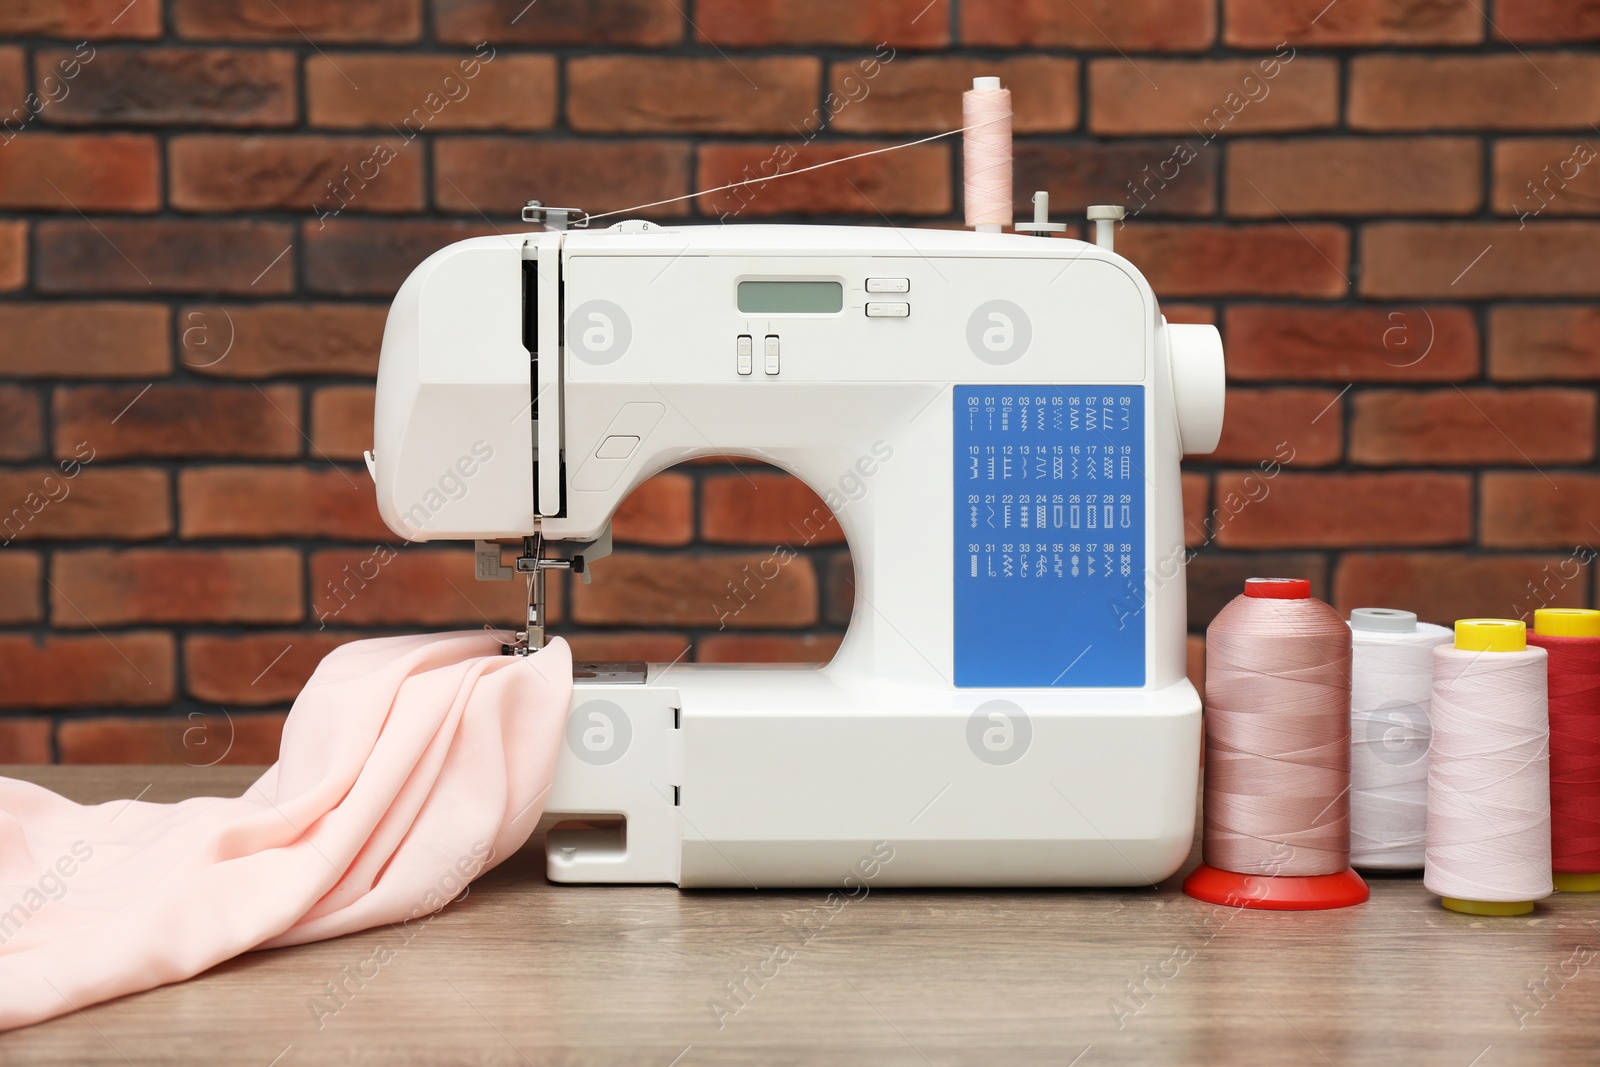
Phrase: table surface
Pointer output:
(524, 972)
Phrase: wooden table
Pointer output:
(523, 972)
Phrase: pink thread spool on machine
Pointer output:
(1277, 725)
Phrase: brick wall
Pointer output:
(1388, 206)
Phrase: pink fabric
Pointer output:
(409, 765)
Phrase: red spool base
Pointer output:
(1317, 892)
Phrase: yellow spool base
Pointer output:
(1576, 883)
(1567, 622)
(1488, 907)
(1491, 635)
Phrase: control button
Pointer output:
(888, 285)
(887, 309)
(772, 354)
(616, 447)
(745, 351)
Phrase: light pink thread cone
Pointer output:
(1277, 797)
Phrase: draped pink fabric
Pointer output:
(409, 766)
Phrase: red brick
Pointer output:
(322, 175)
(1199, 314)
(1502, 92)
(1319, 24)
(13, 254)
(341, 421)
(1548, 21)
(921, 94)
(175, 86)
(839, 589)
(558, 22)
(1195, 662)
(753, 589)
(1311, 259)
(21, 579)
(123, 421)
(913, 181)
(766, 648)
(889, 24)
(1336, 510)
(199, 739)
(1540, 510)
(1456, 427)
(117, 587)
(25, 741)
(1212, 579)
(13, 87)
(1154, 178)
(1196, 501)
(165, 255)
(81, 172)
(1159, 26)
(1259, 421)
(1442, 587)
(258, 502)
(369, 22)
(21, 423)
(1541, 177)
(348, 257)
(87, 340)
(1420, 259)
(490, 174)
(390, 584)
(1268, 342)
(765, 509)
(1531, 342)
(253, 670)
(117, 504)
(405, 94)
(658, 94)
(80, 19)
(626, 646)
(269, 340)
(659, 512)
(1205, 98)
(64, 671)
(1354, 176)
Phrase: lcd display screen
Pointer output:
(791, 298)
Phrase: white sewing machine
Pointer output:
(997, 420)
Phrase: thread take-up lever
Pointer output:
(555, 218)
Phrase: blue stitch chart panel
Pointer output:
(1049, 535)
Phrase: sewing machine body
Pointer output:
(996, 420)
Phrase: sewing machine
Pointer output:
(997, 421)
